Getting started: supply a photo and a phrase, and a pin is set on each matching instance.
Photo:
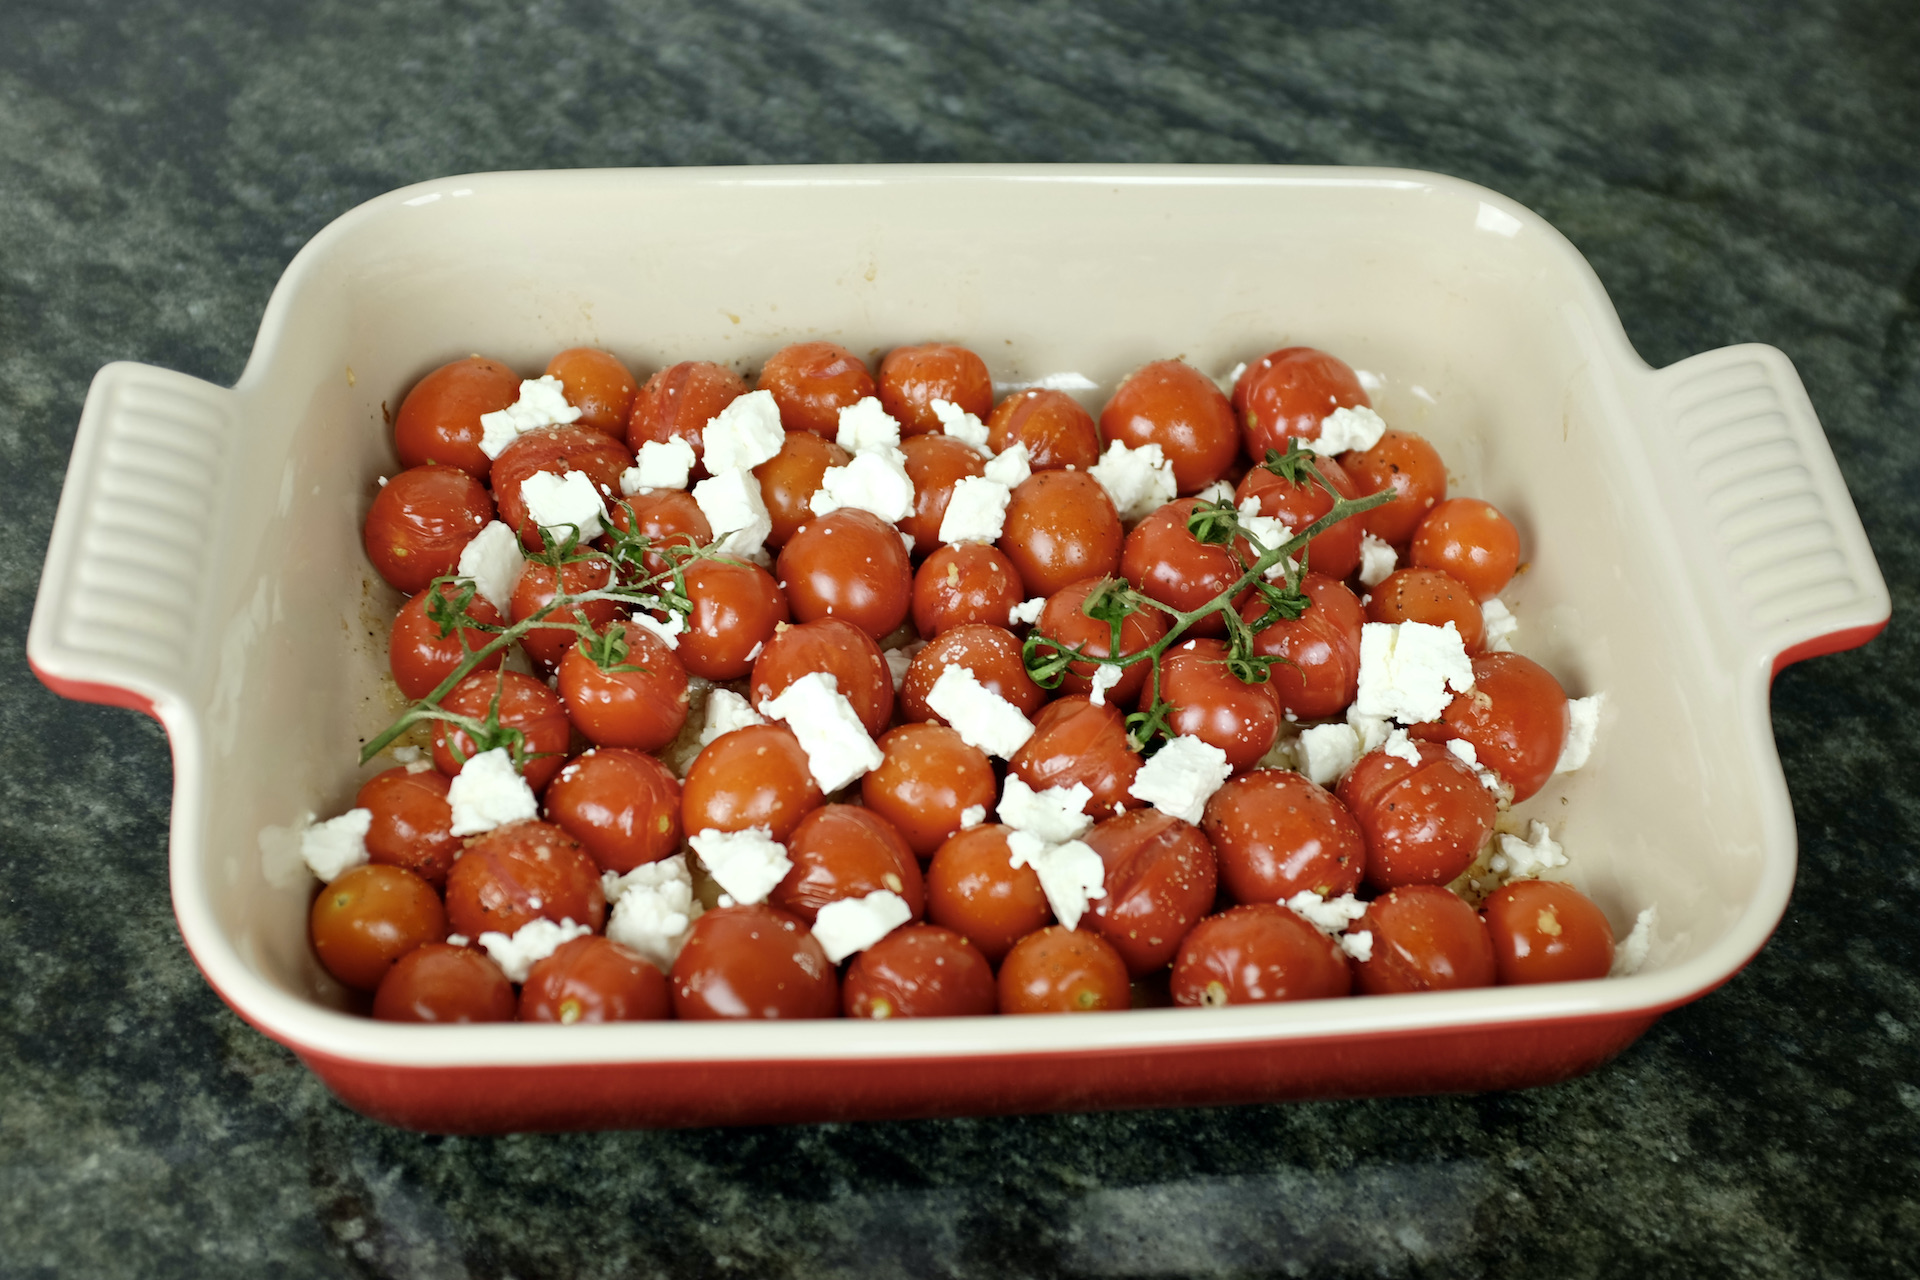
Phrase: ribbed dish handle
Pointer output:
(120, 614)
(1795, 574)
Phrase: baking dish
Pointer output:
(1687, 529)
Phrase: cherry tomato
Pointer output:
(812, 382)
(1543, 931)
(912, 378)
(842, 651)
(790, 478)
(420, 522)
(1061, 527)
(623, 806)
(1061, 970)
(1429, 596)
(1075, 741)
(1162, 560)
(668, 517)
(1258, 953)
(991, 653)
(752, 962)
(1321, 648)
(677, 403)
(1288, 392)
(1412, 468)
(966, 582)
(370, 916)
(1424, 823)
(1214, 705)
(1057, 431)
(935, 464)
(1335, 551)
(441, 983)
(510, 876)
(420, 656)
(919, 971)
(525, 704)
(843, 851)
(439, 421)
(737, 608)
(974, 889)
(1470, 540)
(752, 777)
(1159, 879)
(556, 450)
(642, 708)
(1424, 939)
(599, 384)
(1276, 833)
(849, 564)
(928, 778)
(412, 822)
(1065, 619)
(593, 979)
(548, 641)
(1172, 404)
(1515, 717)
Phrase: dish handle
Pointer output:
(119, 615)
(1796, 576)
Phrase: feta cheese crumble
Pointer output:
(1138, 480)
(1270, 532)
(1104, 677)
(981, 717)
(1218, 491)
(1631, 953)
(494, 562)
(531, 943)
(744, 434)
(1358, 945)
(1327, 751)
(1407, 668)
(734, 509)
(1464, 751)
(660, 464)
(1344, 429)
(1071, 874)
(1330, 916)
(837, 744)
(976, 511)
(1500, 625)
(1370, 731)
(669, 632)
(972, 816)
(961, 425)
(1055, 815)
(489, 793)
(872, 481)
(854, 924)
(542, 403)
(1583, 721)
(1401, 747)
(747, 864)
(866, 427)
(653, 909)
(336, 846)
(1518, 859)
(727, 711)
(898, 660)
(1181, 777)
(555, 502)
(1027, 612)
(1377, 560)
(1011, 466)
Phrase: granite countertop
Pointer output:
(1734, 173)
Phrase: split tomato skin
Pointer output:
(1160, 879)
(920, 971)
(1258, 953)
(1425, 822)
(1275, 834)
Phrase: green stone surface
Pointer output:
(1733, 172)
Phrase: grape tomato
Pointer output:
(678, 402)
(843, 851)
(752, 962)
(420, 522)
(1172, 404)
(1289, 392)
(593, 979)
(836, 648)
(912, 378)
(919, 971)
(964, 582)
(439, 420)
(1258, 953)
(812, 382)
(1059, 434)
(1061, 527)
(850, 565)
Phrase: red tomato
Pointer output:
(667, 517)
(912, 378)
(677, 404)
(1515, 717)
(837, 648)
(369, 917)
(1470, 540)
(1429, 596)
(1057, 431)
(556, 450)
(412, 822)
(420, 522)
(441, 983)
(1258, 953)
(752, 962)
(1162, 560)
(968, 582)
(1065, 619)
(547, 641)
(919, 971)
(1174, 405)
(1413, 469)
(991, 653)
(510, 876)
(935, 464)
(623, 806)
(439, 421)
(737, 608)
(1547, 932)
(1424, 823)
(974, 889)
(1288, 392)
(1061, 527)
(420, 657)
(849, 564)
(1276, 833)
(593, 979)
(812, 382)
(1214, 705)
(843, 851)
(790, 478)
(1334, 552)
(1321, 648)
(524, 704)
(1060, 970)
(642, 708)
(1075, 741)
(752, 777)
(927, 779)
(1159, 881)
(599, 384)
(1424, 939)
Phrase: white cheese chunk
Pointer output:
(531, 943)
(736, 511)
(1230, 379)
(1407, 668)
(1517, 859)
(1327, 751)
(1027, 612)
(494, 562)
(1055, 815)
(557, 501)
(1218, 491)
(1270, 532)
(972, 816)
(1400, 746)
(653, 909)
(981, 717)
(488, 793)
(976, 511)
(336, 846)
(854, 924)
(1358, 945)
(866, 427)
(1467, 755)
(898, 660)
(961, 425)
(871, 481)
(837, 744)
(1329, 915)
(1371, 731)
(660, 464)
(1104, 678)
(747, 864)
(1071, 874)
(1344, 429)
(669, 631)
(727, 711)
(1181, 777)
(1011, 466)
(1583, 721)
(1500, 626)
(744, 434)
(1631, 953)
(542, 403)
(1377, 560)
(1138, 480)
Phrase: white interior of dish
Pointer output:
(1486, 332)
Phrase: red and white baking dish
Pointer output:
(1687, 530)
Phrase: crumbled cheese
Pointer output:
(1071, 874)
(747, 864)
(653, 908)
(660, 464)
(1138, 480)
(542, 403)
(981, 717)
(1104, 677)
(837, 744)
(906, 540)
(459, 940)
(1344, 429)
(1055, 815)
(1027, 612)
(1181, 777)
(1401, 747)
(961, 425)
(1583, 721)
(489, 793)
(407, 754)
(1517, 859)
(1218, 491)
(976, 511)
(1631, 953)
(557, 501)
(872, 481)
(1011, 466)
(972, 816)
(338, 845)
(898, 660)
(1270, 532)
(1231, 379)
(668, 631)
(1371, 731)
(1500, 626)
(1358, 945)
(1330, 916)
(1377, 559)
(727, 711)
(531, 943)
(494, 562)
(744, 434)
(1406, 669)
(866, 427)
(1464, 751)
(1327, 751)
(854, 924)
(735, 510)
(1069, 381)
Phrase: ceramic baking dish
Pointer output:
(1686, 529)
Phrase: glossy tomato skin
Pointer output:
(623, 807)
(1321, 648)
(1061, 970)
(844, 851)
(370, 916)
(678, 402)
(525, 704)
(1412, 468)
(752, 962)
(1214, 705)
(1258, 953)
(912, 378)
(593, 979)
(1075, 741)
(737, 608)
(1160, 879)
(1543, 931)
(935, 464)
(642, 709)
(1056, 430)
(510, 876)
(974, 889)
(1172, 404)
(442, 983)
(1424, 939)
(839, 649)
(1288, 392)
(556, 450)
(991, 653)
(547, 642)
(849, 564)
(412, 822)
(1065, 619)
(790, 478)
(1424, 823)
(1429, 596)
(1162, 560)
(668, 517)
(420, 657)
(1061, 527)
(598, 384)
(965, 582)
(439, 421)
(420, 522)
(1336, 550)
(752, 777)
(1276, 833)
(919, 971)
(1515, 717)
(928, 777)
(1470, 540)
(812, 382)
